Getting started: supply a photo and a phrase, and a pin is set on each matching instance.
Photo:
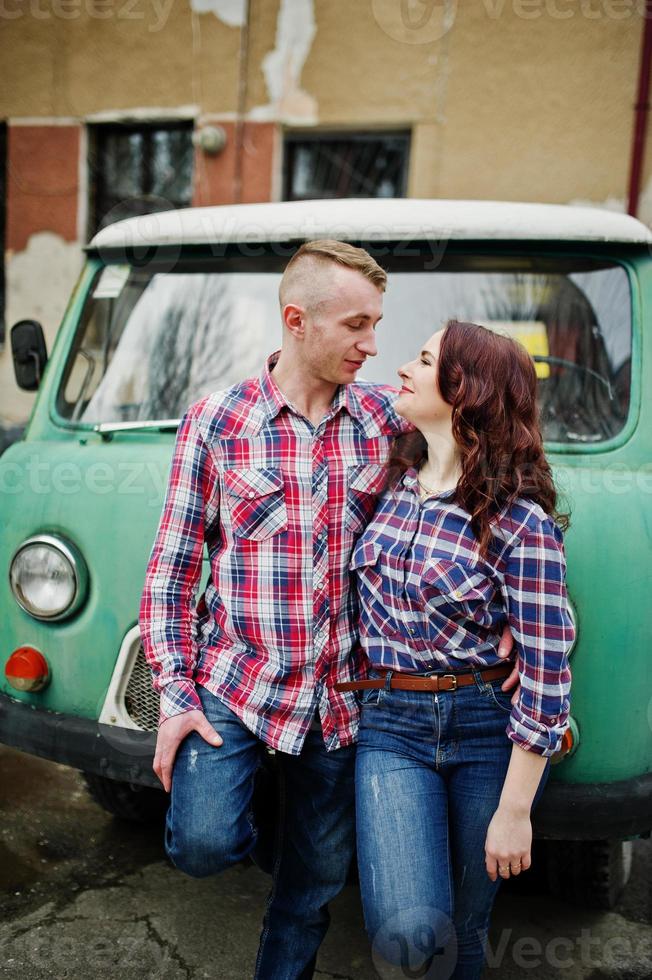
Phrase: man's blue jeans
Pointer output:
(429, 773)
(210, 826)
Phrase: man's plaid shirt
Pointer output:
(279, 504)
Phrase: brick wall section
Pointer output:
(42, 182)
(215, 177)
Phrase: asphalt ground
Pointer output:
(89, 897)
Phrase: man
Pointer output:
(277, 475)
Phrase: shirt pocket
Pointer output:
(256, 502)
(457, 592)
(366, 566)
(364, 483)
(365, 555)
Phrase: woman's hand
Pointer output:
(509, 843)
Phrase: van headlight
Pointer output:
(48, 577)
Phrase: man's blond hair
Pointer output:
(302, 282)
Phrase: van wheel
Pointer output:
(129, 801)
(592, 873)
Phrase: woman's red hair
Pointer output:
(490, 382)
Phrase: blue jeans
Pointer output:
(429, 774)
(210, 826)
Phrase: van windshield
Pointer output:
(152, 342)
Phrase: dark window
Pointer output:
(345, 165)
(3, 221)
(137, 169)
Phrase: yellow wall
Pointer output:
(506, 99)
(503, 103)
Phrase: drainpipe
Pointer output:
(641, 112)
(243, 74)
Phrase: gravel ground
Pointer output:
(89, 897)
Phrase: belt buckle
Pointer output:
(453, 678)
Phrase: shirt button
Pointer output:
(251, 494)
(457, 594)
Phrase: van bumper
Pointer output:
(595, 811)
(118, 753)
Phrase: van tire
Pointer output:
(591, 873)
(129, 801)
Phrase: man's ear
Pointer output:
(294, 318)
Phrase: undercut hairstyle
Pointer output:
(490, 381)
(302, 282)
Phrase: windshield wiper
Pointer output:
(108, 429)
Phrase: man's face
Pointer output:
(340, 332)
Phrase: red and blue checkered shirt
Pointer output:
(279, 504)
(429, 602)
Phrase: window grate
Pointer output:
(345, 165)
(137, 169)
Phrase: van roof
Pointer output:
(374, 220)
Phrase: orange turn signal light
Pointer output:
(569, 742)
(27, 669)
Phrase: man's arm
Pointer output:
(168, 609)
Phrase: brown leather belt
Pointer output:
(433, 682)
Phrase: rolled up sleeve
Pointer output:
(541, 624)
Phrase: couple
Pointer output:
(366, 555)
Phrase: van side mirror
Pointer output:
(29, 353)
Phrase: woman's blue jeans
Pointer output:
(210, 826)
(429, 773)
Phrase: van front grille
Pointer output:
(141, 700)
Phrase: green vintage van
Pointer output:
(173, 305)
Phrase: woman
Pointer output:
(465, 539)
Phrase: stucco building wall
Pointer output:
(519, 100)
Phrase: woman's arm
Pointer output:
(538, 614)
(509, 836)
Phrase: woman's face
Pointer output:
(420, 401)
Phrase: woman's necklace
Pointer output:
(427, 491)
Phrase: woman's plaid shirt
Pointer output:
(279, 504)
(430, 603)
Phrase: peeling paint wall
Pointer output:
(504, 100)
(232, 12)
(295, 33)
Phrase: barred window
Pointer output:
(326, 165)
(137, 169)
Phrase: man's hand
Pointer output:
(171, 734)
(505, 648)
